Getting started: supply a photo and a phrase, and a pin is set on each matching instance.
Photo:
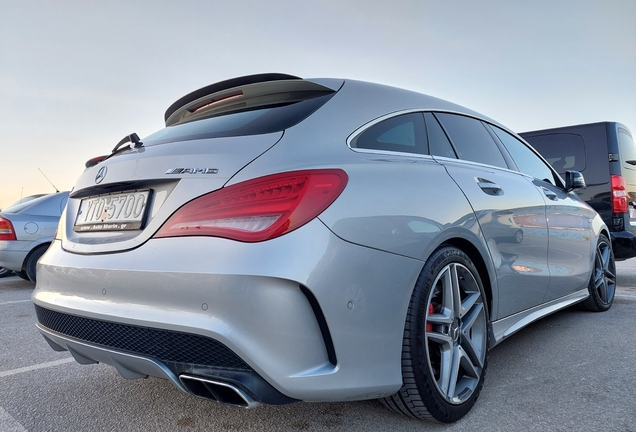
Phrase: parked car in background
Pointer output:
(26, 199)
(4, 272)
(26, 231)
(606, 155)
(288, 239)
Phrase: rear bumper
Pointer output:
(261, 301)
(131, 366)
(623, 244)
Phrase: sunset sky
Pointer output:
(76, 76)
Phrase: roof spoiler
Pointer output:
(225, 85)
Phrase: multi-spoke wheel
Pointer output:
(602, 284)
(445, 346)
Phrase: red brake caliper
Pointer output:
(431, 310)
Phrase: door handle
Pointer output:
(551, 195)
(489, 187)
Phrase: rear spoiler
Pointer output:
(221, 86)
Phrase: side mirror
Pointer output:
(574, 180)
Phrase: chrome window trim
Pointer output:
(392, 153)
(440, 159)
(377, 120)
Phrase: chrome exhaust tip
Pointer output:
(218, 391)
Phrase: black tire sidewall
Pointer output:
(32, 262)
(437, 406)
(23, 275)
(594, 301)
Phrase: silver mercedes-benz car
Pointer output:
(286, 239)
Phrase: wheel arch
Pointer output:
(480, 263)
(40, 246)
(606, 233)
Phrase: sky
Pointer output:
(77, 76)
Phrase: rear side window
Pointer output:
(437, 140)
(627, 149)
(404, 134)
(564, 151)
(262, 120)
(471, 140)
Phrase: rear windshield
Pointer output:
(46, 205)
(261, 120)
(21, 205)
(564, 151)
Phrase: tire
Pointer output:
(445, 345)
(5, 273)
(32, 261)
(602, 286)
(22, 275)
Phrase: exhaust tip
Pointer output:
(218, 391)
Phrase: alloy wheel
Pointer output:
(456, 333)
(604, 273)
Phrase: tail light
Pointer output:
(259, 209)
(6, 230)
(619, 196)
(60, 231)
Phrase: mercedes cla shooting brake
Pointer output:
(286, 239)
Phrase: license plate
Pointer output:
(113, 212)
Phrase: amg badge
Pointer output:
(192, 171)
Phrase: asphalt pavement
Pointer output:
(572, 371)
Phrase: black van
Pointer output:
(605, 154)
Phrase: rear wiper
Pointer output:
(631, 162)
(132, 138)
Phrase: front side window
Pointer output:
(525, 159)
(564, 151)
(471, 140)
(404, 134)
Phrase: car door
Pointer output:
(510, 209)
(569, 221)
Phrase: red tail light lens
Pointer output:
(94, 161)
(619, 196)
(259, 209)
(6, 230)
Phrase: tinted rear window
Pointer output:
(404, 134)
(471, 140)
(258, 121)
(47, 205)
(438, 142)
(564, 151)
